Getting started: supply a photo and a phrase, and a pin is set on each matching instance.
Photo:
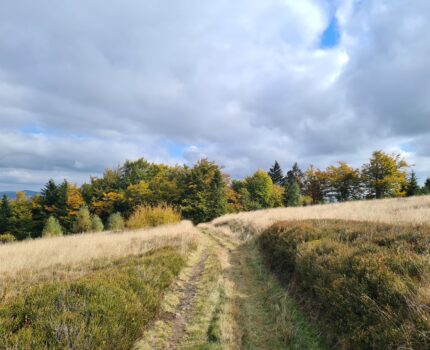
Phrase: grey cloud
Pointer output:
(240, 82)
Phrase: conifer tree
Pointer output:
(292, 195)
(276, 174)
(5, 214)
(295, 174)
(412, 188)
(426, 187)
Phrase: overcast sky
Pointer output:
(85, 85)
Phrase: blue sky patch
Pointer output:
(331, 36)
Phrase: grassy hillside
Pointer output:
(93, 291)
(412, 210)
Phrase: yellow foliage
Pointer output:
(145, 216)
(74, 200)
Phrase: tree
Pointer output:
(295, 175)
(276, 174)
(277, 196)
(260, 188)
(314, 182)
(426, 187)
(116, 223)
(343, 182)
(20, 223)
(385, 175)
(412, 187)
(204, 196)
(83, 220)
(96, 224)
(5, 214)
(74, 200)
(292, 195)
(137, 195)
(52, 228)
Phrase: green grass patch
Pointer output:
(366, 283)
(105, 309)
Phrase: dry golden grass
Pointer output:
(30, 257)
(415, 210)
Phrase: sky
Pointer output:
(85, 85)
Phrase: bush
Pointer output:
(364, 282)
(106, 309)
(83, 220)
(115, 223)
(145, 216)
(96, 224)
(7, 238)
(52, 228)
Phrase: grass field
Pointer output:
(342, 276)
(92, 291)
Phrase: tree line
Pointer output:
(200, 193)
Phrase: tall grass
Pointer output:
(366, 283)
(147, 216)
(43, 257)
(412, 210)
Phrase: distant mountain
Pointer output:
(12, 194)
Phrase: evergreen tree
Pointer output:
(426, 187)
(292, 195)
(5, 214)
(276, 174)
(412, 188)
(83, 220)
(49, 197)
(96, 224)
(295, 175)
(52, 228)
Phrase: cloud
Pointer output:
(85, 85)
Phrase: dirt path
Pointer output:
(226, 299)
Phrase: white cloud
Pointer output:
(245, 81)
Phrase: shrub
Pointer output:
(145, 216)
(115, 223)
(83, 220)
(106, 309)
(7, 238)
(361, 280)
(52, 228)
(96, 224)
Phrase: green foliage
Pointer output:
(106, 309)
(426, 187)
(52, 228)
(385, 175)
(343, 182)
(145, 216)
(260, 189)
(7, 238)
(276, 174)
(96, 224)
(115, 222)
(204, 192)
(5, 214)
(83, 220)
(364, 282)
(292, 195)
(295, 175)
(412, 187)
(20, 220)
